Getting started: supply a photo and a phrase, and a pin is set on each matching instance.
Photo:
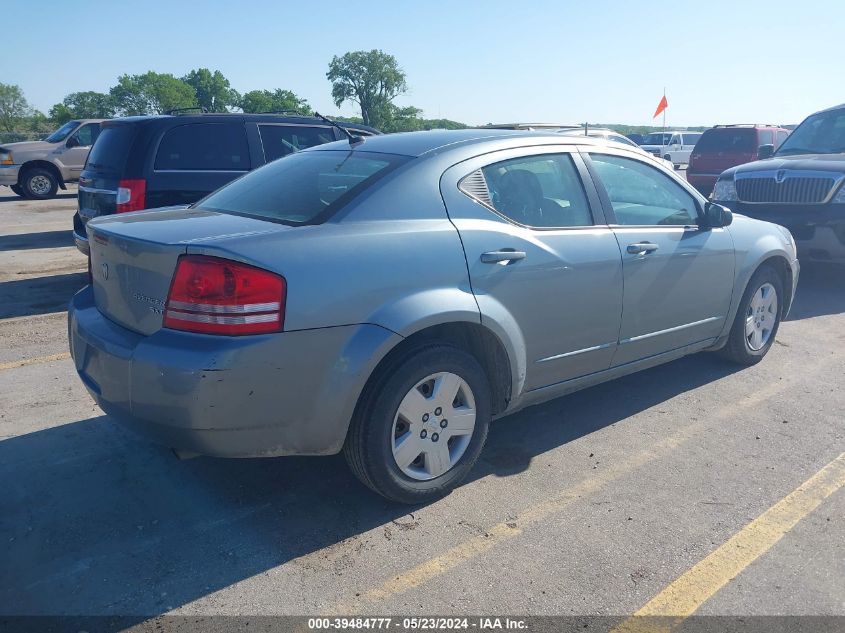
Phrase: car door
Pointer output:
(540, 257)
(76, 148)
(678, 277)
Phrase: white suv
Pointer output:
(675, 147)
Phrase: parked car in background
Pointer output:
(725, 146)
(158, 161)
(37, 169)
(388, 298)
(801, 186)
(610, 135)
(636, 138)
(675, 147)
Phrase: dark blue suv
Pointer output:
(157, 161)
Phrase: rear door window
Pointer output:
(281, 140)
(767, 137)
(538, 191)
(204, 147)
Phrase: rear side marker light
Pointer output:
(131, 195)
(211, 295)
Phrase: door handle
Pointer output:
(502, 257)
(642, 248)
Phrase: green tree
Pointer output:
(266, 101)
(213, 91)
(83, 105)
(151, 93)
(372, 79)
(13, 107)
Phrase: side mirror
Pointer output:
(716, 216)
(765, 151)
(72, 142)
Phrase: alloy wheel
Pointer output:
(761, 317)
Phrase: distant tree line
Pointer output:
(370, 79)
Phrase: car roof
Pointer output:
(427, 142)
(526, 126)
(218, 117)
(837, 107)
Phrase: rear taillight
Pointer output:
(131, 195)
(218, 296)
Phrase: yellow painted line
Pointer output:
(668, 609)
(34, 361)
(533, 515)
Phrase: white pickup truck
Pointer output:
(675, 146)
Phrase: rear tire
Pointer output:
(404, 418)
(39, 183)
(757, 319)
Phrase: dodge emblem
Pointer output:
(780, 176)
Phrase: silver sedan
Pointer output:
(388, 297)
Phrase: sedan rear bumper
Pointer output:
(291, 393)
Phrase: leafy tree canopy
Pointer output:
(266, 101)
(372, 79)
(13, 107)
(151, 93)
(213, 92)
(83, 105)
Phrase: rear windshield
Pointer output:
(302, 188)
(111, 148)
(727, 140)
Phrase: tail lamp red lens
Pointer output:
(212, 295)
(131, 195)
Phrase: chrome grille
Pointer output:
(793, 189)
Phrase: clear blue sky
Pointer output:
(545, 60)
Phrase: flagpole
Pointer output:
(663, 134)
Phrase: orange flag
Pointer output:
(661, 107)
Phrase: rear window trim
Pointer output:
(400, 160)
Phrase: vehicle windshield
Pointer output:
(660, 138)
(302, 188)
(63, 132)
(822, 133)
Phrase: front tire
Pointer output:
(17, 190)
(39, 184)
(757, 318)
(421, 425)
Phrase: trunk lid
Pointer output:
(133, 257)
